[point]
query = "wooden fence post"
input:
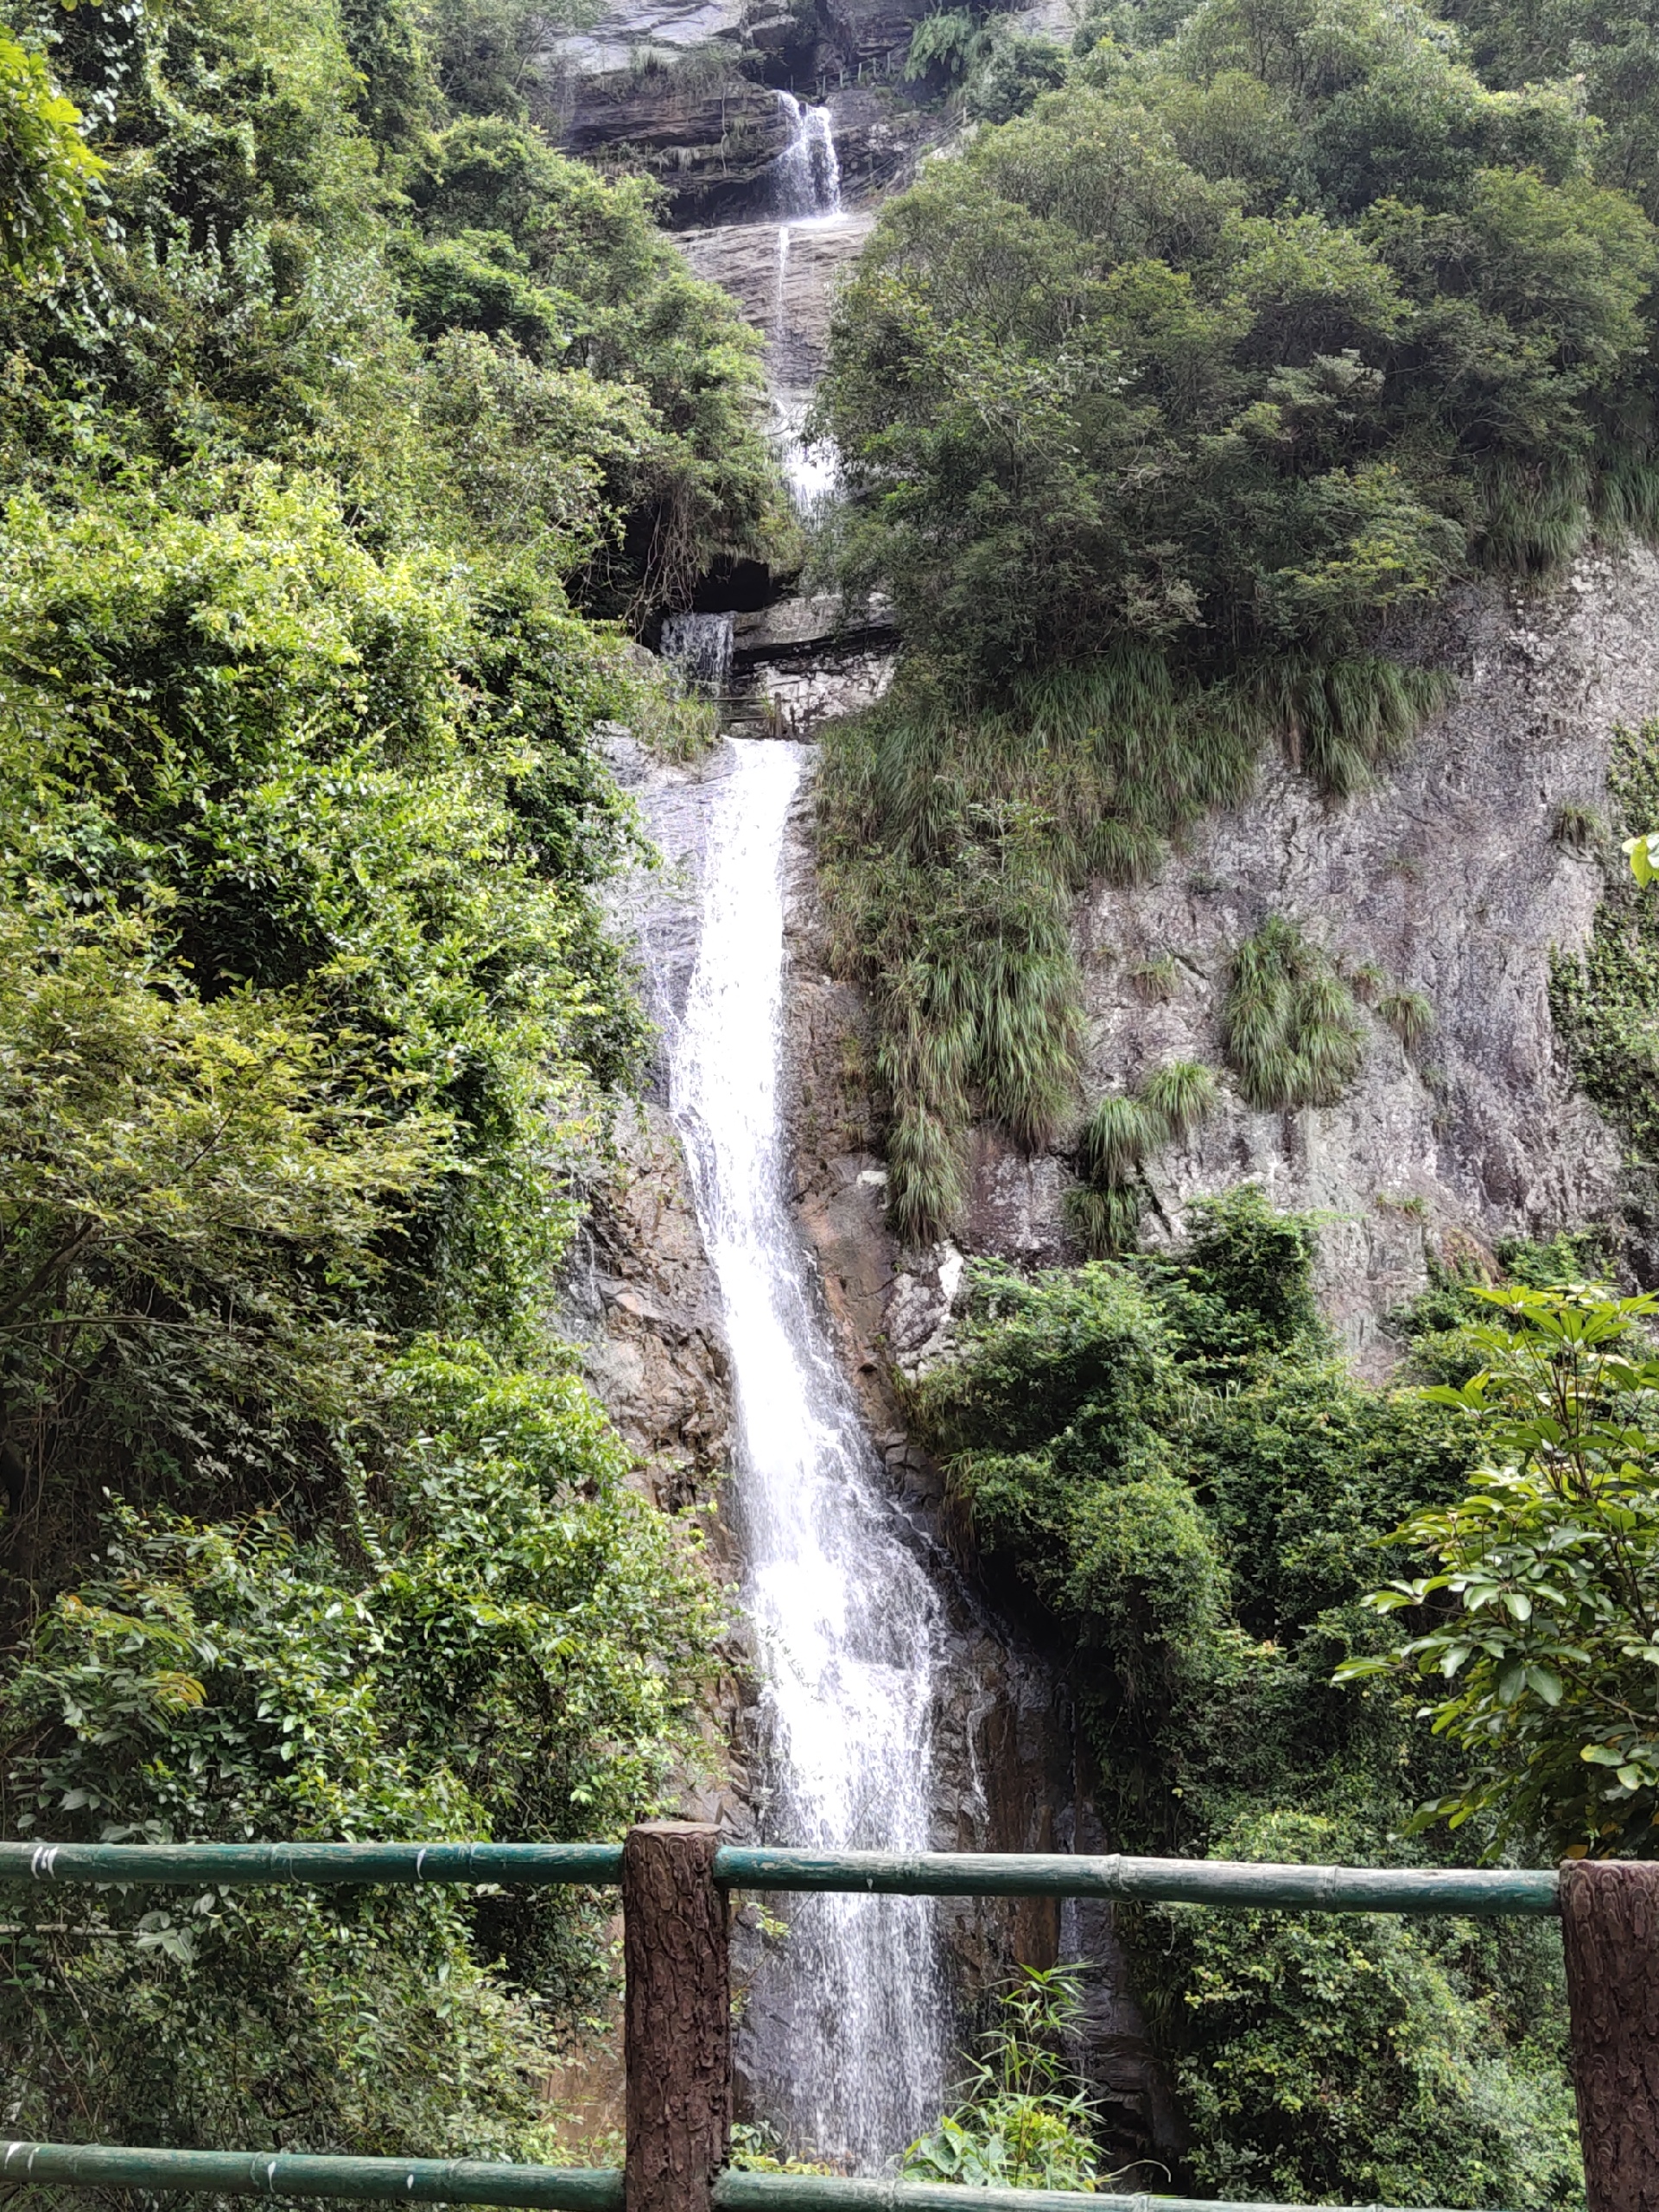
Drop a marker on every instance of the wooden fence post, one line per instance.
(1610, 1931)
(677, 2017)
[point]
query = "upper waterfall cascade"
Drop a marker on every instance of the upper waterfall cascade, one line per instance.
(807, 191)
(845, 2033)
(807, 173)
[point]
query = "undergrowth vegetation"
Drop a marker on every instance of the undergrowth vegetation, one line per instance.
(1167, 408)
(1025, 2119)
(1168, 1473)
(333, 404)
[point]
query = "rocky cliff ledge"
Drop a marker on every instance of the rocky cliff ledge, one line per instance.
(689, 90)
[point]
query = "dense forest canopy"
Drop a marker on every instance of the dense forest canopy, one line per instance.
(1168, 408)
(337, 411)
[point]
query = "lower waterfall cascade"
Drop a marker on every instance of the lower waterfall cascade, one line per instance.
(847, 2030)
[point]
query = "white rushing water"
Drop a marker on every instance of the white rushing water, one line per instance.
(700, 646)
(806, 176)
(846, 2034)
(806, 192)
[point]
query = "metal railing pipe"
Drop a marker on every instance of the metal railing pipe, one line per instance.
(1237, 1883)
(268, 2173)
(221, 1865)
(542, 2188)
(755, 2192)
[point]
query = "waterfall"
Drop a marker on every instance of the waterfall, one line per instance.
(806, 191)
(806, 176)
(845, 2038)
(700, 646)
(809, 470)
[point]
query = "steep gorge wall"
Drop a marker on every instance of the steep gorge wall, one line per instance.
(1448, 878)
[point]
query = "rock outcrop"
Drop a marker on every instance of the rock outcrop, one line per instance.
(689, 92)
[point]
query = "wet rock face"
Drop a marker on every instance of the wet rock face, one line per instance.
(784, 279)
(1448, 880)
(656, 1354)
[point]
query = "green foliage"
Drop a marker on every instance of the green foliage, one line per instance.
(943, 44)
(1293, 270)
(1026, 2120)
(312, 447)
(1170, 1477)
(1554, 1559)
(1166, 409)
(1607, 51)
(502, 1647)
(628, 362)
(283, 190)
(1105, 1207)
(45, 167)
(1605, 1001)
(1331, 2055)
(1016, 69)
(1288, 1022)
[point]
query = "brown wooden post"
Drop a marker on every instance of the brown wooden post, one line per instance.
(677, 2017)
(1610, 1931)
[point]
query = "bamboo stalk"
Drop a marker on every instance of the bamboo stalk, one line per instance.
(743, 2192)
(222, 1865)
(244, 2173)
(542, 2188)
(1224, 1883)
(1243, 1885)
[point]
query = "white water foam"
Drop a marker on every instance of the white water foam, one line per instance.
(846, 2035)
(806, 176)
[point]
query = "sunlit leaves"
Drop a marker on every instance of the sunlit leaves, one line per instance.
(1543, 1607)
(46, 167)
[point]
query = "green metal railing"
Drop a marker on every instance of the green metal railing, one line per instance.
(1222, 1884)
(551, 2188)
(1241, 1883)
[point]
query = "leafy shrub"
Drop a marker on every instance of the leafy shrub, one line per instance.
(45, 167)
(1171, 1479)
(1554, 1559)
(1328, 2055)
(1026, 2120)
(510, 1651)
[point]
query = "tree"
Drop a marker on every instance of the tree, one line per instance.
(1550, 1650)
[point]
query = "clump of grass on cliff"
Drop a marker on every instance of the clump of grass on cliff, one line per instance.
(1104, 1208)
(1289, 1023)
